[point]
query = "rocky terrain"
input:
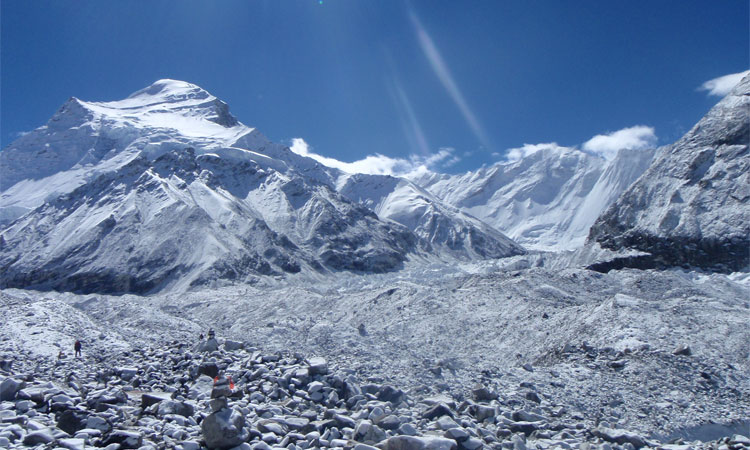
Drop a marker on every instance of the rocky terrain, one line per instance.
(574, 357)
(169, 397)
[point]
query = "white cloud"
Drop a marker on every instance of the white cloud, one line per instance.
(634, 138)
(514, 154)
(721, 86)
(380, 164)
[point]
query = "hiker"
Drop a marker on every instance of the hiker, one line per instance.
(77, 347)
(200, 338)
(211, 333)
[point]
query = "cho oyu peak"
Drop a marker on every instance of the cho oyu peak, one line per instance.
(166, 189)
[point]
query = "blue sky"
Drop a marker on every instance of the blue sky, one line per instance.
(455, 84)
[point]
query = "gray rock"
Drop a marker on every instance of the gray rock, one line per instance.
(318, 366)
(72, 444)
(190, 445)
(437, 410)
(231, 346)
(364, 447)
(367, 432)
(70, 421)
(224, 429)
(126, 439)
(209, 369)
(619, 436)
(482, 412)
(390, 394)
(407, 429)
(271, 426)
(418, 443)
(152, 398)
(446, 423)
(524, 427)
(43, 436)
(482, 394)
(343, 421)
(388, 422)
(526, 416)
(127, 373)
(682, 349)
(457, 434)
(8, 389)
(207, 346)
(174, 407)
(471, 444)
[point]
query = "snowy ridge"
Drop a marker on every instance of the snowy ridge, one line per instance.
(441, 225)
(692, 206)
(547, 200)
(167, 189)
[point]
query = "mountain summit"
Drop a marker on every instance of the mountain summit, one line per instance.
(167, 189)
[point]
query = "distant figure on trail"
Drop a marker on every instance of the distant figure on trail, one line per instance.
(200, 338)
(77, 347)
(211, 333)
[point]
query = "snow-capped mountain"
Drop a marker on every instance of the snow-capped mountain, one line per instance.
(444, 227)
(692, 205)
(167, 188)
(546, 200)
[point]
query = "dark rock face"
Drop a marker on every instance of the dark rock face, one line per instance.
(692, 206)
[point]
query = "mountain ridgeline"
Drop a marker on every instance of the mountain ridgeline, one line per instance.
(167, 190)
(691, 208)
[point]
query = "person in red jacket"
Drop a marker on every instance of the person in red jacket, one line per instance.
(77, 347)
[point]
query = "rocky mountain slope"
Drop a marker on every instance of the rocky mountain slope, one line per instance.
(167, 189)
(692, 206)
(546, 200)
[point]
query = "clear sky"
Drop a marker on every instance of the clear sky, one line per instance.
(396, 78)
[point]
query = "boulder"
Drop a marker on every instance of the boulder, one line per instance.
(682, 349)
(72, 420)
(437, 410)
(620, 436)
(388, 422)
(43, 436)
(524, 427)
(72, 444)
(126, 439)
(127, 373)
(231, 346)
(482, 394)
(209, 369)
(418, 443)
(367, 432)
(152, 398)
(318, 366)
(390, 394)
(207, 346)
(224, 429)
(8, 389)
(174, 407)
